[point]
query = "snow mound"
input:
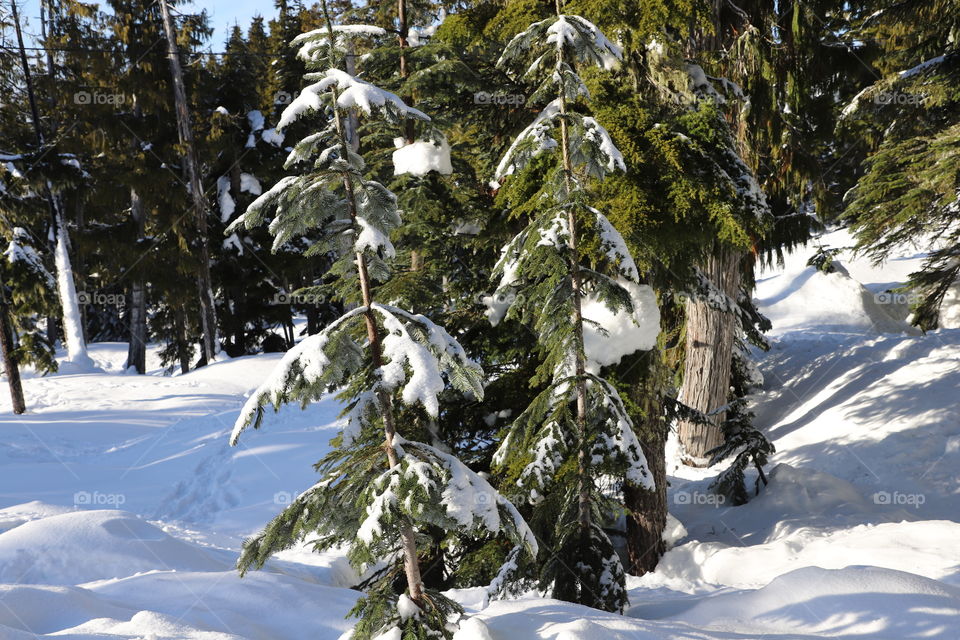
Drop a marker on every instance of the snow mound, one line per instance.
(246, 606)
(46, 609)
(35, 510)
(83, 546)
(866, 601)
(146, 624)
(542, 619)
(927, 548)
(799, 299)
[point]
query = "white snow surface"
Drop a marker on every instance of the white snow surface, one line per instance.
(122, 505)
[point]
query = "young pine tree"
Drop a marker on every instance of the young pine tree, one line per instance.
(378, 490)
(576, 435)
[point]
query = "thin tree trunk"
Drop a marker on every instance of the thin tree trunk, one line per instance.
(708, 358)
(208, 311)
(9, 359)
(583, 482)
(411, 563)
(183, 352)
(137, 349)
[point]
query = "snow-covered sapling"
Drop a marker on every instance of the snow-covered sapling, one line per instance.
(576, 433)
(377, 489)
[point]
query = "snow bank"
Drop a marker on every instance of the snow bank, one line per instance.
(82, 546)
(856, 601)
(835, 300)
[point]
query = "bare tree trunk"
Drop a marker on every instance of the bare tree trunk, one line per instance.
(9, 359)
(183, 351)
(208, 311)
(709, 356)
(137, 349)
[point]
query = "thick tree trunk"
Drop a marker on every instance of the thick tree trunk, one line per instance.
(9, 360)
(647, 516)
(208, 312)
(647, 510)
(137, 348)
(709, 355)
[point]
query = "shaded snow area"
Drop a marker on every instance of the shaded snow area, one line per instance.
(122, 506)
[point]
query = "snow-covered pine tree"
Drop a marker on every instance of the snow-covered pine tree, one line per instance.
(27, 293)
(377, 489)
(576, 434)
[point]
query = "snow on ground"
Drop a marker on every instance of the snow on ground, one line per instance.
(122, 507)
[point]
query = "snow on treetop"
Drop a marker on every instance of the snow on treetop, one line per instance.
(572, 33)
(353, 93)
(314, 44)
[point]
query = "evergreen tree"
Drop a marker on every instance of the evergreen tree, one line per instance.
(27, 293)
(576, 431)
(911, 119)
(378, 488)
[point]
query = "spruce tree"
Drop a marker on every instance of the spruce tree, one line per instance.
(378, 489)
(576, 432)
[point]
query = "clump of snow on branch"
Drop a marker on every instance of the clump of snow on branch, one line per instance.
(373, 239)
(598, 135)
(537, 134)
(421, 157)
(620, 332)
(466, 498)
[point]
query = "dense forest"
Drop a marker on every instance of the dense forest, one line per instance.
(519, 238)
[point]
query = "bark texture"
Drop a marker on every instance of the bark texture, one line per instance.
(709, 355)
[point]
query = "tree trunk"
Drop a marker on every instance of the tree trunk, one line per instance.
(73, 332)
(411, 562)
(9, 359)
(647, 510)
(183, 351)
(208, 311)
(709, 355)
(137, 349)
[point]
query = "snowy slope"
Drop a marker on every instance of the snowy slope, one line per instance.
(122, 507)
